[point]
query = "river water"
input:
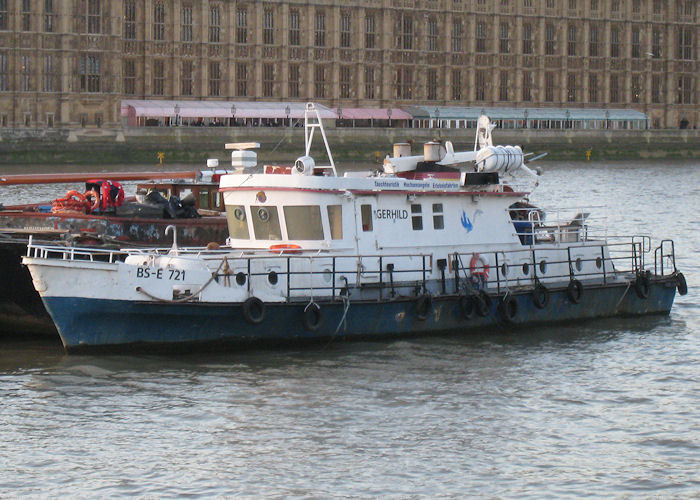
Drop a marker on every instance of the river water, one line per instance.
(607, 408)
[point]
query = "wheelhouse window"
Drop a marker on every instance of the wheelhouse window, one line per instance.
(366, 212)
(438, 220)
(417, 217)
(237, 222)
(266, 223)
(303, 222)
(335, 221)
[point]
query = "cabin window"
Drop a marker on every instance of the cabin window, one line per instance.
(266, 223)
(303, 222)
(438, 221)
(417, 217)
(184, 192)
(366, 211)
(335, 221)
(237, 223)
(204, 198)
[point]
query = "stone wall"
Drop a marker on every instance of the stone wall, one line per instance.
(114, 146)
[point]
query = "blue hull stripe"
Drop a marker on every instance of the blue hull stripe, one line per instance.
(85, 322)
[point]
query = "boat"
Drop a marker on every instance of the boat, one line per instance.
(443, 241)
(98, 214)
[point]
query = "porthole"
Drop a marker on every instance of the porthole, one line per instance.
(327, 275)
(526, 269)
(240, 278)
(579, 264)
(598, 262)
(263, 214)
(239, 214)
(543, 266)
(504, 269)
(272, 277)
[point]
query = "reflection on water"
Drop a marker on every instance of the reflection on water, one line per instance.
(606, 408)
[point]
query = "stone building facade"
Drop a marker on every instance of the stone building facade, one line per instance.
(69, 63)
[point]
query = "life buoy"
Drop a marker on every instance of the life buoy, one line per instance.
(479, 267)
(285, 248)
(574, 291)
(423, 306)
(467, 306)
(312, 317)
(681, 284)
(253, 310)
(540, 296)
(95, 203)
(509, 308)
(642, 286)
(483, 304)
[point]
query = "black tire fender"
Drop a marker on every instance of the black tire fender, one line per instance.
(509, 308)
(540, 296)
(467, 306)
(681, 284)
(642, 286)
(574, 291)
(312, 317)
(253, 310)
(483, 304)
(423, 306)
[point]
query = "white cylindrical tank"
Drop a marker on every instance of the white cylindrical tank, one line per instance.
(402, 149)
(499, 158)
(431, 151)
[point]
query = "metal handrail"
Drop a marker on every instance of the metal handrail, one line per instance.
(385, 271)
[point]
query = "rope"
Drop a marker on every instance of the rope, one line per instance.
(188, 297)
(629, 284)
(346, 307)
(273, 149)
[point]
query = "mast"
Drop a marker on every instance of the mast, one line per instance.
(312, 121)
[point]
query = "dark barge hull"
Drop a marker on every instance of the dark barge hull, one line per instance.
(22, 312)
(97, 324)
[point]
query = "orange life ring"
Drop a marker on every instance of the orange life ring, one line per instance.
(478, 266)
(75, 194)
(95, 204)
(285, 248)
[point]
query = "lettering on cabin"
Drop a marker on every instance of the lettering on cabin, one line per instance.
(407, 184)
(390, 214)
(387, 184)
